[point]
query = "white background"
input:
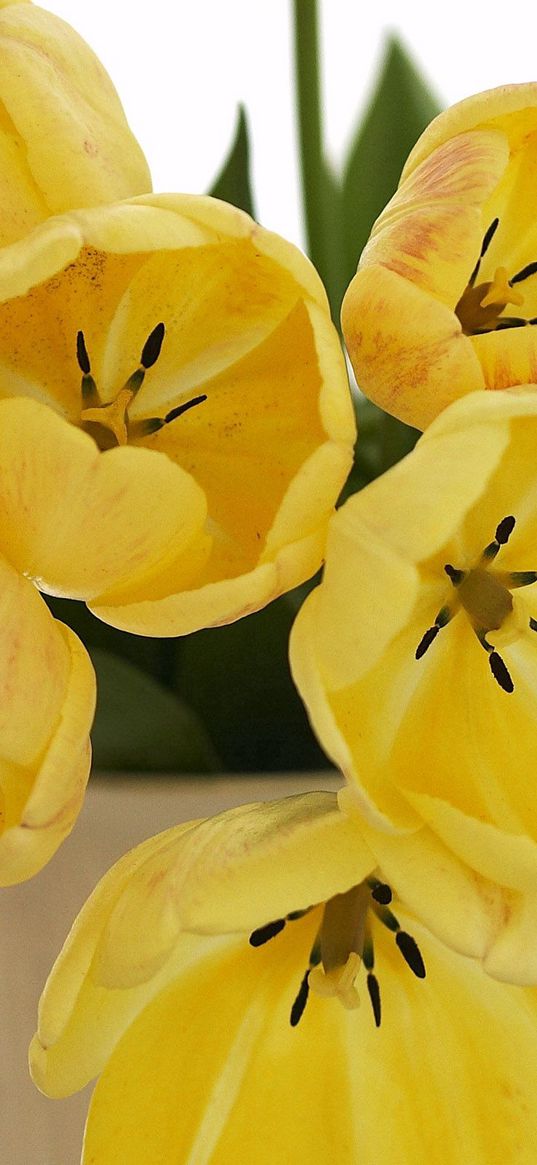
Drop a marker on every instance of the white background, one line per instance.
(181, 67)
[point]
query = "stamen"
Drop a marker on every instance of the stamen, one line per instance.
(264, 933)
(153, 424)
(297, 1010)
(82, 354)
(152, 346)
(525, 273)
(500, 672)
(504, 529)
(507, 322)
(406, 944)
(443, 617)
(380, 891)
(374, 995)
(456, 576)
(180, 409)
(487, 239)
(88, 386)
(425, 642)
(150, 354)
(497, 666)
(411, 953)
(522, 578)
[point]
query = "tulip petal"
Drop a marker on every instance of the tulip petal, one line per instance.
(512, 109)
(48, 700)
(213, 1071)
(64, 140)
(431, 231)
(234, 872)
(412, 371)
(80, 522)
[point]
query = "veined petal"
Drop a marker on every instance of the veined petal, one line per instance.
(48, 700)
(431, 230)
(64, 140)
(461, 229)
(211, 1069)
(80, 522)
(512, 109)
(429, 360)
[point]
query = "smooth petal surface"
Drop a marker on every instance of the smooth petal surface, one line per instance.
(64, 140)
(431, 737)
(79, 522)
(247, 395)
(460, 228)
(48, 700)
(232, 873)
(211, 1070)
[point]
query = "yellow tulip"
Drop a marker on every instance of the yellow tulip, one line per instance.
(47, 701)
(211, 1048)
(417, 661)
(187, 424)
(445, 298)
(64, 140)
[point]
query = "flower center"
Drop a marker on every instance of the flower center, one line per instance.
(486, 598)
(481, 304)
(109, 424)
(343, 942)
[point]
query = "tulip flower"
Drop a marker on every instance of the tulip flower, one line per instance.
(213, 1047)
(48, 697)
(177, 423)
(445, 298)
(64, 140)
(417, 660)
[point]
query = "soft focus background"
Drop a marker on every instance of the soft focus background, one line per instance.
(223, 700)
(181, 68)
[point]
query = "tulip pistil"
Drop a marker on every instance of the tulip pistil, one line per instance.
(109, 424)
(343, 942)
(486, 598)
(481, 305)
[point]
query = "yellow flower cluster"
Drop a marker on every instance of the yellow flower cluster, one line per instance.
(176, 423)
(175, 429)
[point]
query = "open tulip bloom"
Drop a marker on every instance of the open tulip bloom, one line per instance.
(417, 660)
(187, 418)
(251, 1045)
(445, 298)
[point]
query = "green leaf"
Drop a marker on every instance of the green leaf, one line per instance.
(237, 677)
(321, 189)
(401, 107)
(233, 182)
(141, 726)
